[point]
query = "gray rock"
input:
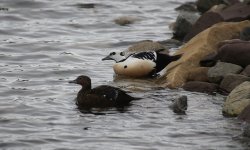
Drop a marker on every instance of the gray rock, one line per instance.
(188, 6)
(231, 81)
(183, 24)
(205, 5)
(237, 100)
(221, 69)
(203, 87)
(180, 105)
(246, 71)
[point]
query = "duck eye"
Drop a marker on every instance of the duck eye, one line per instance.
(122, 53)
(113, 53)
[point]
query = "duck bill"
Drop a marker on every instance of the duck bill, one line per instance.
(73, 81)
(107, 58)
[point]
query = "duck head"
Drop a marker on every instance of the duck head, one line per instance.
(116, 56)
(82, 80)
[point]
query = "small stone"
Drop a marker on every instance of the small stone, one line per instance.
(125, 20)
(221, 69)
(180, 105)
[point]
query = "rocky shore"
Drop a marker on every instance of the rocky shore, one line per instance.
(215, 39)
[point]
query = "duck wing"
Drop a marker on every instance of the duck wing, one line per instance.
(114, 94)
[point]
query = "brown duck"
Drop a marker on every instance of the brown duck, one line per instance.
(101, 96)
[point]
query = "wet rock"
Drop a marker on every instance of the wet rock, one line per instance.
(180, 105)
(205, 5)
(246, 71)
(246, 130)
(245, 34)
(237, 100)
(247, 2)
(237, 12)
(125, 20)
(183, 24)
(147, 46)
(203, 87)
(197, 48)
(231, 81)
(188, 6)
(220, 70)
(205, 21)
(245, 114)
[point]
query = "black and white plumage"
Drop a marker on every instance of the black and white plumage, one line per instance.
(140, 64)
(101, 96)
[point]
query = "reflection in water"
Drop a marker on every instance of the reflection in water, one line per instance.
(46, 43)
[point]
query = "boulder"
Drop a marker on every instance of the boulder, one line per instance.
(215, 74)
(237, 100)
(235, 52)
(231, 81)
(246, 71)
(188, 6)
(237, 12)
(183, 24)
(206, 42)
(205, 21)
(203, 87)
(205, 5)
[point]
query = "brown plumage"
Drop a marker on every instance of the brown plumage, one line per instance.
(101, 96)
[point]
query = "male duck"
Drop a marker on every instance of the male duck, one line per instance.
(140, 64)
(101, 96)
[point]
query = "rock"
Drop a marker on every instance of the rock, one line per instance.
(183, 24)
(232, 51)
(205, 21)
(203, 87)
(180, 105)
(205, 5)
(177, 72)
(246, 71)
(125, 20)
(245, 114)
(245, 34)
(188, 6)
(237, 12)
(215, 74)
(146, 46)
(231, 81)
(237, 100)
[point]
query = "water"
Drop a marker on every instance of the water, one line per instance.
(45, 43)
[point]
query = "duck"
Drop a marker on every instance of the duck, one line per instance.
(101, 96)
(140, 64)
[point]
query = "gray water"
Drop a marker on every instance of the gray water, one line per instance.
(46, 43)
